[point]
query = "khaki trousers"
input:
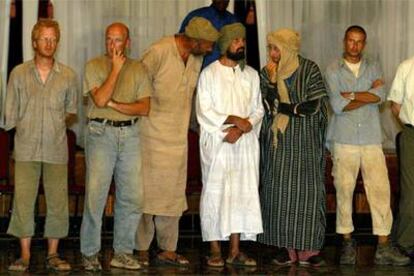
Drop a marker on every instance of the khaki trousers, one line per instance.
(55, 185)
(165, 228)
(347, 160)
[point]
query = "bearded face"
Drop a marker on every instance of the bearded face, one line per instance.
(236, 50)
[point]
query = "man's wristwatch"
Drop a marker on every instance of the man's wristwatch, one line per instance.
(352, 96)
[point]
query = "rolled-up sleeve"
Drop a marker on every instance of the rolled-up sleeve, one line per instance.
(90, 80)
(335, 98)
(379, 91)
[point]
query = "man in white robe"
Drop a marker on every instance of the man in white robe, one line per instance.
(230, 111)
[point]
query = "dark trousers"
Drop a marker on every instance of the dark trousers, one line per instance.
(405, 218)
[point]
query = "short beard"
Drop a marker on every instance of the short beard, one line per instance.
(237, 56)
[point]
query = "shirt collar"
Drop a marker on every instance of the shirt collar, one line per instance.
(343, 64)
(56, 66)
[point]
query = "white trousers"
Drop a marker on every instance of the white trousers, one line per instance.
(347, 160)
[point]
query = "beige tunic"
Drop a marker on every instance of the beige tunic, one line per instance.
(164, 131)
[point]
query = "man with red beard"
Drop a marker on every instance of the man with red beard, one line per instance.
(41, 95)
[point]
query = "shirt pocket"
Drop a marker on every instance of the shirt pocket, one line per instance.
(96, 129)
(24, 98)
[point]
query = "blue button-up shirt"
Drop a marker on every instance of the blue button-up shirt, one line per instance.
(217, 19)
(360, 126)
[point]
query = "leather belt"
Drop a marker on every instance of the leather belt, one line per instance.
(115, 123)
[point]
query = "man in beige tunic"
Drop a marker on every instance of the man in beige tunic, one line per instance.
(173, 64)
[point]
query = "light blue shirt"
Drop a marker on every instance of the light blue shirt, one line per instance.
(360, 126)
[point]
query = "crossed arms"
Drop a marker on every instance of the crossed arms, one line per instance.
(361, 98)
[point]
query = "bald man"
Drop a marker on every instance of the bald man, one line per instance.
(119, 92)
(173, 64)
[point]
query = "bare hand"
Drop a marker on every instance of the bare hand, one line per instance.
(377, 83)
(271, 68)
(233, 134)
(244, 125)
(346, 95)
(118, 59)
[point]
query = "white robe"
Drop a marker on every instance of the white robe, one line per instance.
(230, 197)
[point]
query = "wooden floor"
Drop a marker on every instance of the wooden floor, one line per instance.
(190, 244)
(195, 250)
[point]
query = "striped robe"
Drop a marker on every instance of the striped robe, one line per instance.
(292, 191)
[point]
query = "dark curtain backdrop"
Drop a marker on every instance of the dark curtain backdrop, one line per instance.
(241, 10)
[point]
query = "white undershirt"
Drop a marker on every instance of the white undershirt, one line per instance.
(354, 67)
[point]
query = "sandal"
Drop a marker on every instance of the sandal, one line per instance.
(55, 263)
(215, 260)
(178, 260)
(19, 265)
(241, 260)
(315, 261)
(143, 258)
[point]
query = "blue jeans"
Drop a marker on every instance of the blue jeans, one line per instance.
(112, 151)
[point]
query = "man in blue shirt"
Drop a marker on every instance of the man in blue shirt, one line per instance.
(354, 135)
(218, 15)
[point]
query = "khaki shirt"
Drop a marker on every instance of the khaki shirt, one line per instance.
(38, 111)
(164, 131)
(132, 84)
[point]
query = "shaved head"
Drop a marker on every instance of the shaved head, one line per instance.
(116, 38)
(119, 26)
